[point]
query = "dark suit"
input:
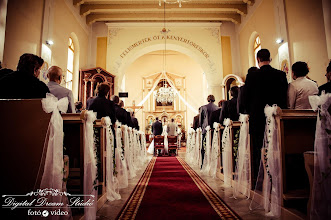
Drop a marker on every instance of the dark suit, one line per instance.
(241, 98)
(22, 85)
(129, 120)
(215, 116)
(266, 86)
(121, 115)
(229, 110)
(103, 107)
(135, 123)
(157, 128)
(325, 87)
(196, 122)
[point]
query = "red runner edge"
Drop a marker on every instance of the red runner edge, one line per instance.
(171, 189)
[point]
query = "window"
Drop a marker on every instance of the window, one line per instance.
(70, 65)
(257, 47)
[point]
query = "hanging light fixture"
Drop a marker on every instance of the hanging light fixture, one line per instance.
(165, 93)
(173, 2)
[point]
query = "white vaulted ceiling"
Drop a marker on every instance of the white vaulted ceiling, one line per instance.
(150, 11)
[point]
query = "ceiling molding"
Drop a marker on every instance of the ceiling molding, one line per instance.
(150, 11)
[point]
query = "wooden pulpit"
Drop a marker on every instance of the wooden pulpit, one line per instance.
(88, 81)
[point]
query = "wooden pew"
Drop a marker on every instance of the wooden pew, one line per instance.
(24, 126)
(297, 135)
(73, 126)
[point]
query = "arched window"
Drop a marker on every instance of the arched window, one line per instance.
(257, 47)
(70, 64)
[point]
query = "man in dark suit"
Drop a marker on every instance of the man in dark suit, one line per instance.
(204, 118)
(327, 86)
(101, 105)
(266, 86)
(121, 114)
(128, 115)
(157, 127)
(24, 83)
(215, 115)
(230, 107)
(134, 121)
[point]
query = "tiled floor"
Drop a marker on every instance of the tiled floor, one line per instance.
(240, 205)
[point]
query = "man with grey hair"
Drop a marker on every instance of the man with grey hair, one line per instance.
(55, 76)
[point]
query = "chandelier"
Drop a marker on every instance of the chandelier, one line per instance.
(173, 2)
(165, 93)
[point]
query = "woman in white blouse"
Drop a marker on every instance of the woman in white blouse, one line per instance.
(301, 88)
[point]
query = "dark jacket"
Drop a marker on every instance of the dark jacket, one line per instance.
(22, 85)
(229, 110)
(205, 115)
(135, 123)
(157, 128)
(325, 87)
(215, 116)
(103, 107)
(266, 86)
(121, 115)
(241, 97)
(196, 122)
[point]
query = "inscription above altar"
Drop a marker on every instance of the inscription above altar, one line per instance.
(161, 37)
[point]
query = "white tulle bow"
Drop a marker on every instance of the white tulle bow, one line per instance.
(52, 104)
(243, 118)
(217, 126)
(227, 122)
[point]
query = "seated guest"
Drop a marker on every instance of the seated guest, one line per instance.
(301, 88)
(134, 120)
(55, 76)
(172, 128)
(121, 114)
(101, 105)
(215, 115)
(230, 108)
(327, 86)
(79, 106)
(24, 83)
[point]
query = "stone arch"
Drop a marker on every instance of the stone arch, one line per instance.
(227, 81)
(123, 64)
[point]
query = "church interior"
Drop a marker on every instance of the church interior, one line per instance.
(162, 59)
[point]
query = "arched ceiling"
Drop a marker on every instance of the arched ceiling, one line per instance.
(150, 11)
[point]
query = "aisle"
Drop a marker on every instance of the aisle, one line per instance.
(170, 189)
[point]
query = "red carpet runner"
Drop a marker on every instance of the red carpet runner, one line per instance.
(170, 189)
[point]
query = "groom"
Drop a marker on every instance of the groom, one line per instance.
(157, 127)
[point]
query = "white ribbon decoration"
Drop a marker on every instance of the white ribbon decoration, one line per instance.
(207, 156)
(243, 167)
(321, 193)
(121, 168)
(127, 151)
(111, 180)
(227, 153)
(272, 190)
(90, 166)
(216, 150)
(53, 170)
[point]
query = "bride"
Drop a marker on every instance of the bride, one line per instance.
(151, 146)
